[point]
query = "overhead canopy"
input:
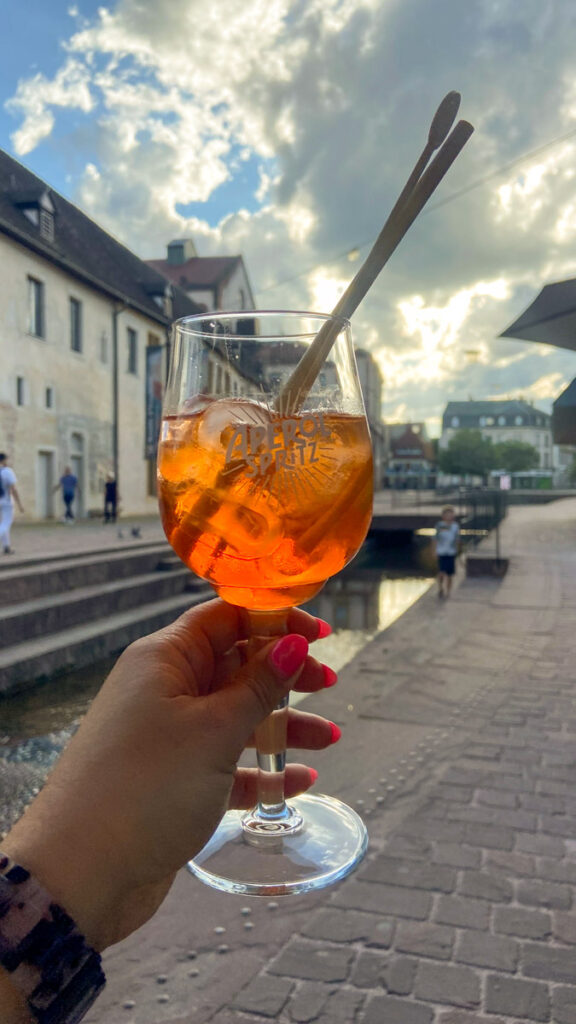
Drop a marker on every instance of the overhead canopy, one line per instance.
(550, 319)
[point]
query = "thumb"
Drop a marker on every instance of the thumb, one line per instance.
(259, 686)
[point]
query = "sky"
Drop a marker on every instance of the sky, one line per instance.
(284, 130)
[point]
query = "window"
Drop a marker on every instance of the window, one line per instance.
(75, 325)
(455, 422)
(35, 307)
(47, 225)
(489, 421)
(482, 421)
(49, 398)
(20, 390)
(103, 347)
(519, 420)
(502, 421)
(132, 350)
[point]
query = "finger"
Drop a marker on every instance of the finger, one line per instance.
(314, 676)
(308, 732)
(256, 689)
(244, 793)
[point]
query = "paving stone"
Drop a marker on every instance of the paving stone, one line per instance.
(545, 787)
(480, 949)
(489, 836)
(484, 752)
(440, 983)
(312, 962)
(526, 924)
(564, 926)
(463, 912)
(542, 846)
(486, 886)
(412, 874)
(452, 832)
(367, 970)
(264, 995)
(497, 798)
(398, 975)
(410, 847)
(350, 926)
(564, 1005)
(342, 1006)
(461, 1017)
(544, 894)
(558, 825)
(520, 819)
(543, 804)
(547, 963)
(308, 1002)
(448, 791)
(510, 863)
(456, 855)
(384, 1009)
(425, 939)
(557, 870)
(384, 899)
(527, 1000)
(476, 815)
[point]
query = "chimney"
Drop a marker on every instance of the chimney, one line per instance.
(180, 251)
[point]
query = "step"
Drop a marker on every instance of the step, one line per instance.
(22, 665)
(55, 612)
(54, 576)
(23, 561)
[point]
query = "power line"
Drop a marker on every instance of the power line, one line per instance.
(429, 209)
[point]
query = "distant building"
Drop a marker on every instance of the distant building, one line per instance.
(213, 282)
(83, 321)
(514, 420)
(411, 462)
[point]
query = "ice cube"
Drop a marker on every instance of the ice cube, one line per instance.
(225, 416)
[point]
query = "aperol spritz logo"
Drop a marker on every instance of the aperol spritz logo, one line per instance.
(277, 444)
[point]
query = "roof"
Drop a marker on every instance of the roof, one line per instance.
(197, 272)
(81, 247)
(567, 398)
(550, 319)
(496, 407)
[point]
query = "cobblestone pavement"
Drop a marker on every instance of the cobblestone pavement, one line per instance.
(459, 746)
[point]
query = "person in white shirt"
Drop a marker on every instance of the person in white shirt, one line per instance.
(8, 494)
(447, 541)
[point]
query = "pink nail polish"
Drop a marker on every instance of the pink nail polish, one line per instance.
(336, 732)
(330, 676)
(313, 775)
(289, 654)
(324, 629)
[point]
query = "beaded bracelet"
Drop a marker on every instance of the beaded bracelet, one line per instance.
(45, 954)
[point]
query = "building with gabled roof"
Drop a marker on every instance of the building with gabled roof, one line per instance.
(83, 320)
(215, 282)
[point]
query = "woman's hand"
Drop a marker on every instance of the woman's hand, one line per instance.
(153, 767)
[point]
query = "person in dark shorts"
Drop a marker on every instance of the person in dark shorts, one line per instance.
(447, 542)
(110, 499)
(69, 485)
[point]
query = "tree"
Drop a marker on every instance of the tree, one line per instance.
(516, 456)
(467, 454)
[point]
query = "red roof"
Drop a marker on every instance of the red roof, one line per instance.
(197, 272)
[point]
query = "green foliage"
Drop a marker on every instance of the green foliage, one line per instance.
(468, 454)
(516, 456)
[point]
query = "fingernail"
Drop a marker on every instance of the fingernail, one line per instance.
(336, 732)
(289, 654)
(313, 775)
(330, 676)
(324, 629)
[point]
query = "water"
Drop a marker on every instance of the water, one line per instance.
(361, 601)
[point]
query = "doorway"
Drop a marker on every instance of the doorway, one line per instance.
(77, 466)
(44, 485)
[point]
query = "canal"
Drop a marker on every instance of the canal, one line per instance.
(365, 598)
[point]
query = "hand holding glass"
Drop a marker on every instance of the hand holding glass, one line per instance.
(267, 501)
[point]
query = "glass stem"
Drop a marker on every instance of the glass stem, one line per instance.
(272, 815)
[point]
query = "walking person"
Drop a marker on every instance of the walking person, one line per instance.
(69, 484)
(8, 494)
(110, 499)
(447, 543)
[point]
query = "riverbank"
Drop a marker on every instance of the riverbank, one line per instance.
(459, 747)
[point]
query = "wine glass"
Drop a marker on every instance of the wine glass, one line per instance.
(266, 491)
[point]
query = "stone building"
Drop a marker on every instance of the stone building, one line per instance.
(411, 462)
(514, 420)
(81, 318)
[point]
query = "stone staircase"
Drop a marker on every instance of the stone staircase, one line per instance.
(59, 613)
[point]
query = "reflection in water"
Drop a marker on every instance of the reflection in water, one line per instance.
(361, 601)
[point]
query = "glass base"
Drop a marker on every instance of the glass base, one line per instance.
(328, 846)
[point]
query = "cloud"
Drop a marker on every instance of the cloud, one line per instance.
(331, 100)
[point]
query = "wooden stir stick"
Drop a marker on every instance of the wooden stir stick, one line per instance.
(415, 194)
